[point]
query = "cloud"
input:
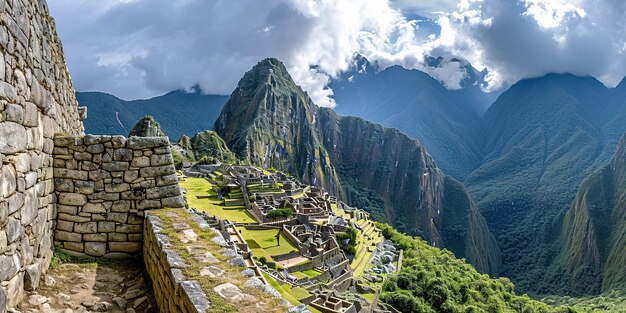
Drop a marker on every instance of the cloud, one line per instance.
(529, 38)
(142, 48)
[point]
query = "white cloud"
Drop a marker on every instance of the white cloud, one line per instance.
(141, 48)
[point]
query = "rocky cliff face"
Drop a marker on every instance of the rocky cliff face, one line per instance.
(147, 127)
(270, 121)
(593, 234)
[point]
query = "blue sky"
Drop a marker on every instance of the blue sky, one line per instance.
(142, 48)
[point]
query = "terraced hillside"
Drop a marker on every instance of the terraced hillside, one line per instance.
(269, 121)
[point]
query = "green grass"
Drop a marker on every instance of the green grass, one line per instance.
(266, 239)
(292, 295)
(212, 206)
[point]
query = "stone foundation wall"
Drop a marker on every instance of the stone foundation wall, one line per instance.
(172, 291)
(37, 100)
(103, 185)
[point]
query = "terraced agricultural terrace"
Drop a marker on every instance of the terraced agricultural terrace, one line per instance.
(313, 250)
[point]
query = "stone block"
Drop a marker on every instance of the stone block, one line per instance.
(121, 206)
(140, 162)
(122, 154)
(14, 113)
(128, 229)
(94, 208)
(9, 266)
(163, 192)
(173, 202)
(138, 143)
(69, 210)
(66, 141)
(106, 227)
(148, 204)
(4, 243)
(131, 176)
(167, 180)
(95, 248)
(157, 171)
(112, 188)
(15, 202)
(84, 187)
(126, 247)
(15, 289)
(67, 236)
(82, 156)
(63, 185)
(74, 246)
(161, 159)
(73, 174)
(13, 138)
(13, 230)
(118, 237)
(86, 228)
(135, 237)
(32, 275)
(76, 199)
(95, 149)
(116, 166)
(72, 218)
(117, 217)
(97, 175)
(95, 238)
(8, 177)
(65, 225)
(31, 115)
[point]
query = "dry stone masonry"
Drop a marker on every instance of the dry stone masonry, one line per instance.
(36, 101)
(104, 184)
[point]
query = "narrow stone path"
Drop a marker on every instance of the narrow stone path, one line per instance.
(118, 287)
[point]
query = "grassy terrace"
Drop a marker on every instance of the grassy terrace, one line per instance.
(263, 242)
(212, 206)
(232, 273)
(292, 295)
(368, 237)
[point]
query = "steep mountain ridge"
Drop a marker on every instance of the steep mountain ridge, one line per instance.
(444, 121)
(593, 234)
(270, 121)
(544, 136)
(179, 112)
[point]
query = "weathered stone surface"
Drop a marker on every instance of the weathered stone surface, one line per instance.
(94, 208)
(147, 142)
(8, 177)
(95, 248)
(13, 139)
(72, 198)
(84, 187)
(196, 295)
(211, 271)
(32, 274)
(9, 266)
(106, 227)
(86, 228)
(127, 247)
(67, 236)
(230, 292)
(163, 192)
(173, 202)
(157, 171)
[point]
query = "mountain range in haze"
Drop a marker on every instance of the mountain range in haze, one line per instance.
(522, 160)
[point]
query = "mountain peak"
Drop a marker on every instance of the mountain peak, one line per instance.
(146, 127)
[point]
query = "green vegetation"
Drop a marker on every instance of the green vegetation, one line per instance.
(347, 241)
(201, 187)
(283, 213)
(433, 280)
(263, 243)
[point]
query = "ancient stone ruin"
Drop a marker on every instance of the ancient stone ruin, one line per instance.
(85, 194)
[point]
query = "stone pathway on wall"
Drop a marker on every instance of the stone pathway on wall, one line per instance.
(91, 287)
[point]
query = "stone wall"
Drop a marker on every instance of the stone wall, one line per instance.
(37, 100)
(103, 185)
(172, 291)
